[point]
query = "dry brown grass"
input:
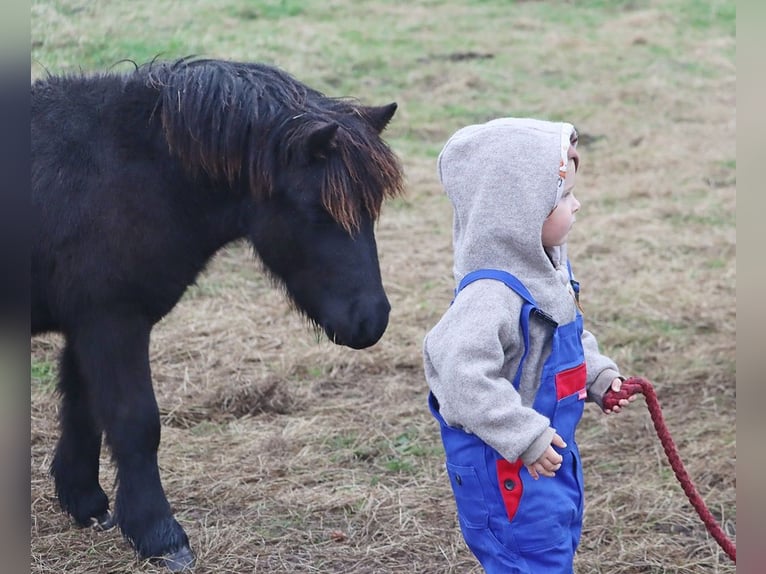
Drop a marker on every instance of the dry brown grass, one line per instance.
(283, 453)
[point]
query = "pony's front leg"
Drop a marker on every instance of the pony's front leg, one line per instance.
(114, 355)
(76, 462)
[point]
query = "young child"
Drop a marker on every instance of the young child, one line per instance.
(509, 364)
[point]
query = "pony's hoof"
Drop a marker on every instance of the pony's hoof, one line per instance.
(182, 559)
(103, 522)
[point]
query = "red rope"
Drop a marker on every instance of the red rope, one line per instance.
(635, 385)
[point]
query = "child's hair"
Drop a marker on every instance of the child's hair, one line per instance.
(573, 149)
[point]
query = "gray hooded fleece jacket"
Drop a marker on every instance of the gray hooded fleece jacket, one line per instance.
(502, 179)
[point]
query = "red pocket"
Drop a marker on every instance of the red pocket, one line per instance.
(570, 382)
(510, 485)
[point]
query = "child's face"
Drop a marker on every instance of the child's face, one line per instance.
(557, 225)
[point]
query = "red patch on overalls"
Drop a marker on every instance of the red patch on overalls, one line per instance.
(570, 382)
(510, 484)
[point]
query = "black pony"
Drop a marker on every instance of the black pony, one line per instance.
(137, 180)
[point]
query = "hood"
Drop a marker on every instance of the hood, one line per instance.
(503, 178)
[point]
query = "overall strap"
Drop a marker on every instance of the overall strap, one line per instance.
(513, 283)
(575, 284)
(498, 275)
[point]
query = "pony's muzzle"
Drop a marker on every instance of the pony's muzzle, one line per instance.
(363, 324)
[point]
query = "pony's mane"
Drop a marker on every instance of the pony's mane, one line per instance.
(240, 122)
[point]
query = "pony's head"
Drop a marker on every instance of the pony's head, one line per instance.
(314, 169)
(315, 230)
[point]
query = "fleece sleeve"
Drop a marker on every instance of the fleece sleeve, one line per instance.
(468, 357)
(601, 370)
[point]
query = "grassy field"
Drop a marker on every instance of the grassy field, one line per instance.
(284, 453)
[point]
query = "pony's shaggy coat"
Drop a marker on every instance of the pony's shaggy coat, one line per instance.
(137, 181)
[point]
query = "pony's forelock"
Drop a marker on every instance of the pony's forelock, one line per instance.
(363, 175)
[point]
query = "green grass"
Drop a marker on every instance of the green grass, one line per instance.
(390, 51)
(706, 15)
(270, 10)
(402, 453)
(407, 450)
(207, 428)
(44, 374)
(713, 218)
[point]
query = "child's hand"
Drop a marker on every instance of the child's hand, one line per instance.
(549, 462)
(616, 386)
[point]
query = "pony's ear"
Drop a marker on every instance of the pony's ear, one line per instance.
(319, 138)
(379, 116)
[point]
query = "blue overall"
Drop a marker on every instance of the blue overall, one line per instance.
(512, 523)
